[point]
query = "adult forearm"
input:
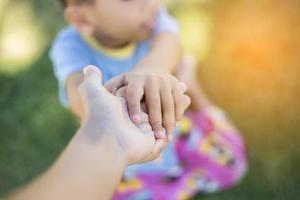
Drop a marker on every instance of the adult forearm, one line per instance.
(85, 170)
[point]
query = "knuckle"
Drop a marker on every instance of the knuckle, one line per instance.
(133, 107)
(154, 114)
(163, 80)
(150, 78)
(173, 81)
(168, 108)
(181, 99)
(153, 102)
(175, 90)
(131, 96)
(169, 124)
(156, 125)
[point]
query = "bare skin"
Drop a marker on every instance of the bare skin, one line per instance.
(104, 21)
(186, 73)
(92, 164)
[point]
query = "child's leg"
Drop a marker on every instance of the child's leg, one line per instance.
(208, 144)
(163, 179)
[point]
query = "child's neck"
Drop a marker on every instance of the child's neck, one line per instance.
(115, 50)
(109, 42)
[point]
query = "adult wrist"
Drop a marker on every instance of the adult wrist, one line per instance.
(99, 138)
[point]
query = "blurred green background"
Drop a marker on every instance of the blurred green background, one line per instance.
(249, 54)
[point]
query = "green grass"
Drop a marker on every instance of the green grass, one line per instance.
(34, 129)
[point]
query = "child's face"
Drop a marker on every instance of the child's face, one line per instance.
(117, 22)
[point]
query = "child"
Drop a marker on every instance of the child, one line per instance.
(135, 44)
(116, 36)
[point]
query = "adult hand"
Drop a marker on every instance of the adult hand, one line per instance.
(107, 116)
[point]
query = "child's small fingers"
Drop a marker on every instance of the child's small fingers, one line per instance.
(115, 83)
(144, 107)
(144, 118)
(160, 134)
(121, 92)
(186, 102)
(182, 106)
(177, 96)
(168, 110)
(152, 98)
(182, 87)
(135, 93)
(181, 100)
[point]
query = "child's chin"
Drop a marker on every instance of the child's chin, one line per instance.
(143, 35)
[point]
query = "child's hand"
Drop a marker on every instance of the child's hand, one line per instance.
(163, 94)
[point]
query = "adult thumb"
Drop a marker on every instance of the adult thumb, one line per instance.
(91, 86)
(92, 74)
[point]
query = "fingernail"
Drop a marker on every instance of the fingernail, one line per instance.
(136, 118)
(160, 134)
(85, 70)
(91, 69)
